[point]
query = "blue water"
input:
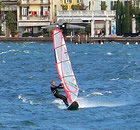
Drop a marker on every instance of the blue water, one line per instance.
(108, 77)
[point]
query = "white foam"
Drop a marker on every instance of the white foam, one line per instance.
(26, 100)
(4, 52)
(3, 61)
(115, 79)
(59, 103)
(86, 103)
(108, 92)
(83, 91)
(95, 93)
(85, 53)
(109, 53)
(26, 51)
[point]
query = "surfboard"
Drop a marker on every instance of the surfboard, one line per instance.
(64, 68)
(74, 106)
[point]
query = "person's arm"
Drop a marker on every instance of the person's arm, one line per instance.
(60, 86)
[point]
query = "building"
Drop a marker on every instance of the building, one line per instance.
(100, 21)
(55, 5)
(32, 15)
(8, 5)
(97, 4)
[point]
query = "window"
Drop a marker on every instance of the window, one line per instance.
(24, 11)
(55, 10)
(44, 1)
(113, 3)
(103, 5)
(25, 1)
(79, 1)
(67, 1)
(125, 3)
(45, 11)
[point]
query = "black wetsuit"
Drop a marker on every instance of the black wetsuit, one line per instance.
(57, 95)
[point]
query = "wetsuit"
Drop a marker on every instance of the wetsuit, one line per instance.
(57, 95)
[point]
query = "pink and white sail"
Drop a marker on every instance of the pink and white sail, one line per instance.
(64, 67)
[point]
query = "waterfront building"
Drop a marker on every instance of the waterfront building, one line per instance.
(9, 5)
(32, 15)
(99, 15)
(100, 21)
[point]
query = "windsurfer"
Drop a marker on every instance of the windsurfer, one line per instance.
(56, 93)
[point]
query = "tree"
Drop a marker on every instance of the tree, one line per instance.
(11, 22)
(118, 18)
(127, 18)
(64, 7)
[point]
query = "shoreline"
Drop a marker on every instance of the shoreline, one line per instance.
(93, 40)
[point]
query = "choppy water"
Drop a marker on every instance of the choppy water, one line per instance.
(108, 76)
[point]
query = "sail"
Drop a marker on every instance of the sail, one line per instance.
(64, 67)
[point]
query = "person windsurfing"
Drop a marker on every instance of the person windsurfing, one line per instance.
(55, 92)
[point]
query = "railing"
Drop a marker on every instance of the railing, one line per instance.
(36, 2)
(83, 13)
(37, 18)
(44, 1)
(24, 1)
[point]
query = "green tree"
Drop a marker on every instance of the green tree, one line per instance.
(11, 22)
(118, 18)
(64, 7)
(127, 19)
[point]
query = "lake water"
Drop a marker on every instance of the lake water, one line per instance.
(108, 77)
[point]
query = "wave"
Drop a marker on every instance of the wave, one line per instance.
(94, 93)
(86, 103)
(60, 104)
(26, 51)
(4, 52)
(115, 79)
(26, 100)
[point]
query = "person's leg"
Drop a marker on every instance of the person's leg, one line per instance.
(63, 98)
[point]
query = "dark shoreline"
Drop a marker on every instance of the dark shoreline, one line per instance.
(131, 40)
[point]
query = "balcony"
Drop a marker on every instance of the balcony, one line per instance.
(37, 2)
(86, 14)
(26, 21)
(34, 18)
(44, 1)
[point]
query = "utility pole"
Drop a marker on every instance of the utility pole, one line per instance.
(92, 19)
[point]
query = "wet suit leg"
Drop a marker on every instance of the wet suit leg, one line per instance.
(63, 98)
